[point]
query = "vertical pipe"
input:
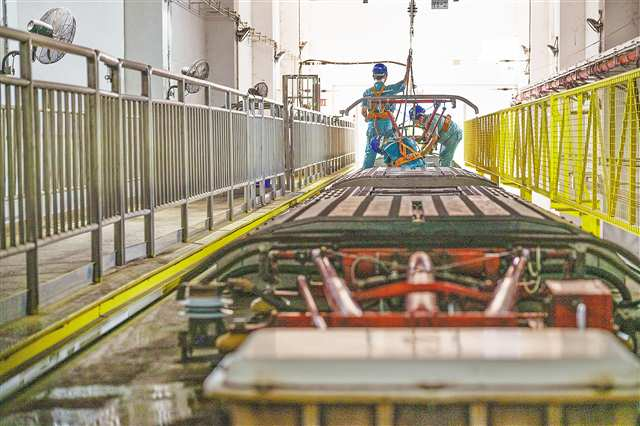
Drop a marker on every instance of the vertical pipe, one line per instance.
(68, 167)
(336, 292)
(130, 139)
(119, 230)
(60, 163)
(248, 177)
(149, 164)
(11, 179)
(31, 174)
(135, 108)
(37, 144)
(507, 290)
(186, 165)
(210, 165)
(75, 143)
(231, 158)
(20, 166)
(82, 158)
(261, 158)
(3, 173)
(95, 142)
(316, 318)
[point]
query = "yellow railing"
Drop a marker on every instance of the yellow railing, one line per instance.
(578, 147)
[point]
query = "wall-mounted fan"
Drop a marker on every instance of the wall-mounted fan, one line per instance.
(199, 69)
(261, 89)
(57, 23)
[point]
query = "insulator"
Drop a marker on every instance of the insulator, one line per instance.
(412, 9)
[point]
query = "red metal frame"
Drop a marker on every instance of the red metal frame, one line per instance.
(404, 288)
(401, 319)
(420, 285)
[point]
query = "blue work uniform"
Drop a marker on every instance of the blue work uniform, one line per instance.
(448, 140)
(379, 127)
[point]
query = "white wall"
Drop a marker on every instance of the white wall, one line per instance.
(621, 22)
(188, 44)
(577, 41)
(138, 46)
(265, 18)
(100, 25)
(245, 56)
(543, 33)
(591, 38)
(288, 21)
(221, 48)
(572, 33)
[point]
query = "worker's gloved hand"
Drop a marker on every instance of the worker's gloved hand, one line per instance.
(374, 143)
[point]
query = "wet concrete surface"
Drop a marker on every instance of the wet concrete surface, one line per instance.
(133, 376)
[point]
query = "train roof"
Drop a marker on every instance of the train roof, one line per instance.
(429, 177)
(453, 212)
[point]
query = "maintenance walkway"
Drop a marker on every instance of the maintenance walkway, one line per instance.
(108, 197)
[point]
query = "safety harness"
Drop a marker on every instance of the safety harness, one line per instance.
(372, 114)
(406, 157)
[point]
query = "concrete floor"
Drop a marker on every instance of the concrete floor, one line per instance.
(131, 377)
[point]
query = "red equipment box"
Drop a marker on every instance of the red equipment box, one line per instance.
(567, 295)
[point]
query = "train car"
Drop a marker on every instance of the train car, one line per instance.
(425, 297)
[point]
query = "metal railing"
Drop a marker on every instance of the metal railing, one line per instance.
(578, 147)
(76, 158)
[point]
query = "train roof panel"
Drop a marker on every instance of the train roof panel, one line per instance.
(443, 202)
(429, 177)
(388, 361)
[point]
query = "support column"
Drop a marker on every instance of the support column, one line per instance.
(32, 191)
(526, 194)
(590, 224)
(208, 98)
(184, 210)
(119, 234)
(94, 116)
(149, 164)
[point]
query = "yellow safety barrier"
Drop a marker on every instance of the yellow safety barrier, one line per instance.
(578, 147)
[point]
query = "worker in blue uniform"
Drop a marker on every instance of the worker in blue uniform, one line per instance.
(379, 116)
(448, 134)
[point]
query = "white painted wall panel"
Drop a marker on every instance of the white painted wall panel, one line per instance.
(621, 22)
(188, 43)
(572, 33)
(100, 25)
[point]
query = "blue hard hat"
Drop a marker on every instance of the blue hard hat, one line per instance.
(379, 70)
(416, 111)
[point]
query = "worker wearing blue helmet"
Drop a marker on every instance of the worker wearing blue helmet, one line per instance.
(448, 134)
(380, 116)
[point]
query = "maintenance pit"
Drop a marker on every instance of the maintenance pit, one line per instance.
(134, 376)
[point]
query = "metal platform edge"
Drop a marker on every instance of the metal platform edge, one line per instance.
(23, 363)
